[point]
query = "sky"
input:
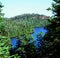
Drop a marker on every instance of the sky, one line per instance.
(17, 7)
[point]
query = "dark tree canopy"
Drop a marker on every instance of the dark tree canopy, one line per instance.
(53, 36)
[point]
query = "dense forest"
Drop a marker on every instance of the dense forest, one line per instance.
(23, 25)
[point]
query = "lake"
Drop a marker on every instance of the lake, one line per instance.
(36, 36)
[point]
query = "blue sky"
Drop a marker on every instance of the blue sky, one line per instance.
(16, 7)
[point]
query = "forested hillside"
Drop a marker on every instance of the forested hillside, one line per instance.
(25, 23)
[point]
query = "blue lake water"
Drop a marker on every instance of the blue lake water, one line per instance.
(14, 42)
(37, 31)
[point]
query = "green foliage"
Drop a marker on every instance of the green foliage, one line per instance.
(16, 27)
(4, 47)
(54, 32)
(4, 41)
(48, 8)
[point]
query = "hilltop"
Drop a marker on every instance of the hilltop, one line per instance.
(33, 16)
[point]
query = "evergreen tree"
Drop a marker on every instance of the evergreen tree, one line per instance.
(1, 14)
(52, 38)
(4, 41)
(1, 17)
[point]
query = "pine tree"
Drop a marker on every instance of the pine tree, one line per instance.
(53, 36)
(1, 17)
(4, 41)
(1, 14)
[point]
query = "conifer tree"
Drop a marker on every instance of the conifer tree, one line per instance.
(4, 41)
(53, 36)
(1, 14)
